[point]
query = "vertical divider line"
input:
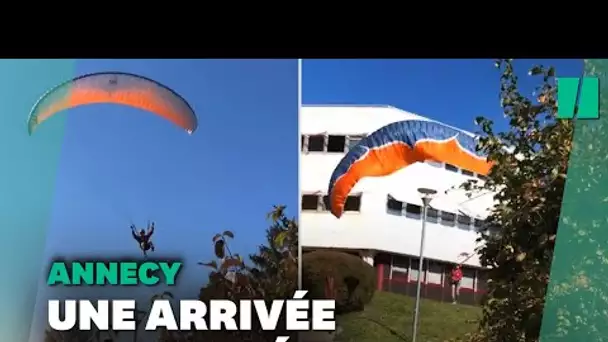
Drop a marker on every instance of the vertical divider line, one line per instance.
(299, 336)
(299, 178)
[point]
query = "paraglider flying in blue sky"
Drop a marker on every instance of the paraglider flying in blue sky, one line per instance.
(115, 88)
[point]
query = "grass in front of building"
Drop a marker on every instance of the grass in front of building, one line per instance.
(388, 318)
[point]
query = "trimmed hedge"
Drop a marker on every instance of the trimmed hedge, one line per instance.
(354, 280)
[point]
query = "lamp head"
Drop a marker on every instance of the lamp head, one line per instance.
(427, 195)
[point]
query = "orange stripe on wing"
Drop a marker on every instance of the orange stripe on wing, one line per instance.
(450, 152)
(142, 99)
(377, 162)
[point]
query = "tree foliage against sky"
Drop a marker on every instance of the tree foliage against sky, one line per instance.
(531, 161)
(272, 273)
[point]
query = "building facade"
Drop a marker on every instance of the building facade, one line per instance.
(382, 221)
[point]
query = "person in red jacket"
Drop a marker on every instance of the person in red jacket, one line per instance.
(456, 277)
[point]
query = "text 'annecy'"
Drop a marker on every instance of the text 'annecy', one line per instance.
(126, 273)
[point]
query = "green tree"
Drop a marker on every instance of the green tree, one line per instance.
(530, 164)
(275, 265)
(274, 274)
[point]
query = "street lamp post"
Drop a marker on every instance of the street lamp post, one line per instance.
(426, 195)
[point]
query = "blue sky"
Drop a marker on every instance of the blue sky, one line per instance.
(121, 165)
(450, 91)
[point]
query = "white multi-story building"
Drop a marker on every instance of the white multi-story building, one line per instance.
(382, 220)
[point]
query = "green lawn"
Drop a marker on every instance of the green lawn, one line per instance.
(388, 318)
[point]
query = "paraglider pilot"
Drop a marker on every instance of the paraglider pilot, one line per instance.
(143, 238)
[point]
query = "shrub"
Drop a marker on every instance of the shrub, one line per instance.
(354, 281)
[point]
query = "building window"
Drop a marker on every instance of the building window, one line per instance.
(447, 217)
(399, 268)
(336, 143)
(329, 143)
(413, 209)
(316, 143)
(310, 202)
(464, 220)
(478, 223)
(468, 173)
(401, 262)
(414, 270)
(482, 177)
(394, 205)
(353, 203)
(353, 141)
(326, 203)
(434, 163)
(435, 273)
(432, 213)
(468, 278)
(451, 167)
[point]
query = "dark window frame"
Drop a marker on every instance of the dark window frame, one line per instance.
(302, 203)
(450, 167)
(390, 200)
(357, 199)
(435, 213)
(464, 220)
(330, 143)
(353, 138)
(448, 217)
(315, 143)
(417, 209)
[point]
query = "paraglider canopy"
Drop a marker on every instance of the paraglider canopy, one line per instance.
(398, 145)
(115, 88)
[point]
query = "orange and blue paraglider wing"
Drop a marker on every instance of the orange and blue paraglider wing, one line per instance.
(398, 145)
(117, 88)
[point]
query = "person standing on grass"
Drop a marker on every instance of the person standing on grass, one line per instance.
(456, 277)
